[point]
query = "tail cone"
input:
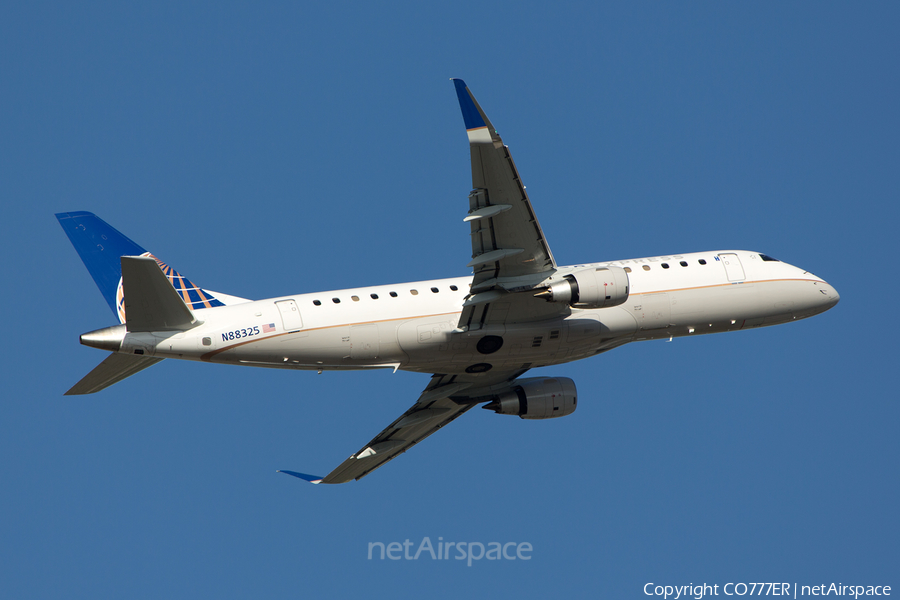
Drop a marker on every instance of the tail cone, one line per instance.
(108, 338)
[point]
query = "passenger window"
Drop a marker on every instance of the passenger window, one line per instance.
(414, 292)
(373, 296)
(646, 267)
(683, 263)
(628, 269)
(454, 288)
(435, 290)
(702, 261)
(336, 300)
(665, 265)
(317, 303)
(354, 298)
(393, 294)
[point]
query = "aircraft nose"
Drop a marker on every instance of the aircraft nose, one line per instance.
(812, 298)
(828, 296)
(835, 297)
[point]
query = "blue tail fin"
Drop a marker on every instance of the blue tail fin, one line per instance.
(100, 247)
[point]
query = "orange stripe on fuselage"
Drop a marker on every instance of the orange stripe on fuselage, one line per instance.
(208, 356)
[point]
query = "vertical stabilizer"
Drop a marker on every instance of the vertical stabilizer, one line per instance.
(101, 247)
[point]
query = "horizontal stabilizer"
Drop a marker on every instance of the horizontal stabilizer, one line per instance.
(114, 369)
(151, 303)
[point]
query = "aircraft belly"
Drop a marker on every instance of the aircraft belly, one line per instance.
(716, 304)
(728, 308)
(759, 303)
(434, 346)
(651, 311)
(785, 301)
(364, 342)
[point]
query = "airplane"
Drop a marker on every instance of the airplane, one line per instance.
(475, 335)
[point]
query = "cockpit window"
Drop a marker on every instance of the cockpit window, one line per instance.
(768, 258)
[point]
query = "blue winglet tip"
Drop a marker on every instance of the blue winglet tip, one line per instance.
(310, 478)
(471, 115)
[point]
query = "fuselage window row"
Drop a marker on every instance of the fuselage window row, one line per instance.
(392, 294)
(683, 263)
(454, 288)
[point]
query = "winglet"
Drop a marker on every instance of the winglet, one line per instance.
(478, 126)
(303, 476)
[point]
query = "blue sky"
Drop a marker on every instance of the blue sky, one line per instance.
(299, 147)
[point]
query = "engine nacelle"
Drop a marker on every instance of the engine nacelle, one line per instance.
(537, 398)
(590, 288)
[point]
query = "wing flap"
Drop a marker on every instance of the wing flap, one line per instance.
(496, 182)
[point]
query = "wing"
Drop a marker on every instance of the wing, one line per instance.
(445, 398)
(510, 255)
(510, 258)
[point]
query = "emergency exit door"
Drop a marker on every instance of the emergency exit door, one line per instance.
(290, 315)
(733, 268)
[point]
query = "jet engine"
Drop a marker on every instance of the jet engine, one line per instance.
(537, 398)
(590, 288)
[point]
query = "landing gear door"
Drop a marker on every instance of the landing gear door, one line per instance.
(290, 315)
(733, 268)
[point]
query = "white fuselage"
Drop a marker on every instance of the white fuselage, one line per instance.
(409, 326)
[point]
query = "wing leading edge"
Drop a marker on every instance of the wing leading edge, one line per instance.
(510, 255)
(507, 240)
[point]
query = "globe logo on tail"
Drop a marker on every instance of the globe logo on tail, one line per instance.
(193, 296)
